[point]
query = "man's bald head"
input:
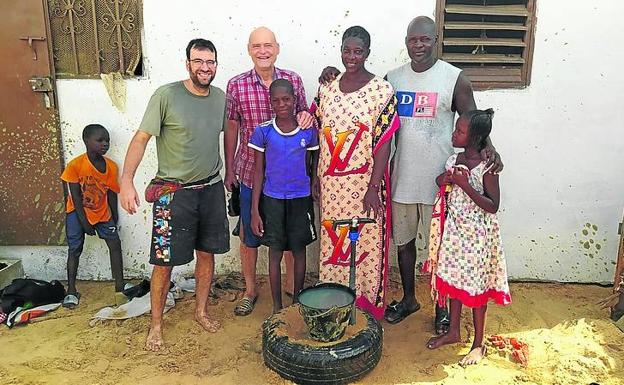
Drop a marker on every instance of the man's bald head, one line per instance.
(420, 42)
(262, 34)
(421, 24)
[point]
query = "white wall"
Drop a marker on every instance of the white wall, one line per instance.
(559, 137)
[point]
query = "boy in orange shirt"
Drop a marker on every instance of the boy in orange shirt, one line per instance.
(92, 207)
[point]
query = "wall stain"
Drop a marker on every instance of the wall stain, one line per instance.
(589, 245)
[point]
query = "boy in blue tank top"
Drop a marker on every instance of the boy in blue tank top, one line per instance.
(281, 208)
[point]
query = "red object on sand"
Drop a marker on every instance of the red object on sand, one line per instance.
(519, 349)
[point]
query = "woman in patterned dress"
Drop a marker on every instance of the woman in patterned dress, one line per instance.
(357, 117)
(470, 267)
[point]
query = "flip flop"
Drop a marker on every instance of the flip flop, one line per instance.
(71, 300)
(245, 306)
(397, 312)
(442, 322)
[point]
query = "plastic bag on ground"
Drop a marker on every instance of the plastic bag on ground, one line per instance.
(136, 307)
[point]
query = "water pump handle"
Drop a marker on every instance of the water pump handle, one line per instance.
(353, 223)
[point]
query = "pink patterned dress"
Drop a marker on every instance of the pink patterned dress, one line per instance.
(471, 263)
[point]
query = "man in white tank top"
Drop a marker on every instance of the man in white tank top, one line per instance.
(429, 92)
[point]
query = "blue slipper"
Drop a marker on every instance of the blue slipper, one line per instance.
(71, 300)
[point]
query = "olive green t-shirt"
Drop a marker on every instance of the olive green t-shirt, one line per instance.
(187, 128)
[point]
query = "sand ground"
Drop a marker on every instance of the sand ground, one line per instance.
(571, 342)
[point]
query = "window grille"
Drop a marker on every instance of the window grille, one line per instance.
(92, 37)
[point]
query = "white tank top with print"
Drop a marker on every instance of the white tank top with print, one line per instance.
(423, 142)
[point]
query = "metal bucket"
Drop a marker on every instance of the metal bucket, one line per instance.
(325, 308)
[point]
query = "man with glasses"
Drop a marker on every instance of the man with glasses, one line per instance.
(186, 117)
(247, 107)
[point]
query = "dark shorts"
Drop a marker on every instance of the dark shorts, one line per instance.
(76, 234)
(249, 238)
(288, 223)
(188, 220)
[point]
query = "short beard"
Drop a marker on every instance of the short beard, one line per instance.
(197, 84)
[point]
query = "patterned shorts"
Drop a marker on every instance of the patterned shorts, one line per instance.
(188, 220)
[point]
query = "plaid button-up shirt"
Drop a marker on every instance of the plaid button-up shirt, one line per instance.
(248, 103)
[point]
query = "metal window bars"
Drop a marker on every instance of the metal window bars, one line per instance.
(90, 37)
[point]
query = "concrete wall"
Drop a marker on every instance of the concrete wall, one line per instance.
(560, 138)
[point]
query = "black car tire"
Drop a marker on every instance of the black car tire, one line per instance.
(328, 364)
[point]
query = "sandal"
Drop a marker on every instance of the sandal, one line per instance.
(442, 322)
(245, 306)
(397, 312)
(71, 300)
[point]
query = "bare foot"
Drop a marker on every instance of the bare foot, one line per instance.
(209, 325)
(475, 355)
(444, 339)
(154, 340)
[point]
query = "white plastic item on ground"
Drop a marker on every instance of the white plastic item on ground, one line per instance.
(186, 284)
(138, 306)
(177, 292)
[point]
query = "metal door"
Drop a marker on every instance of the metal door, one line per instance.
(31, 194)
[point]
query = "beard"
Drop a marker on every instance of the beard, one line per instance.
(198, 83)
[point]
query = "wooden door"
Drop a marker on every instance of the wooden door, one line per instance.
(31, 193)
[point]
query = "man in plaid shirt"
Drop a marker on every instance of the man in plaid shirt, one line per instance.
(247, 106)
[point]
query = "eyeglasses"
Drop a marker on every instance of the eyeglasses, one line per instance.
(200, 62)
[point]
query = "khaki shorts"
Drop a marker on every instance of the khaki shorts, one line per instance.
(408, 220)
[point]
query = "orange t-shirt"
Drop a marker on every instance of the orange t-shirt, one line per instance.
(93, 185)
